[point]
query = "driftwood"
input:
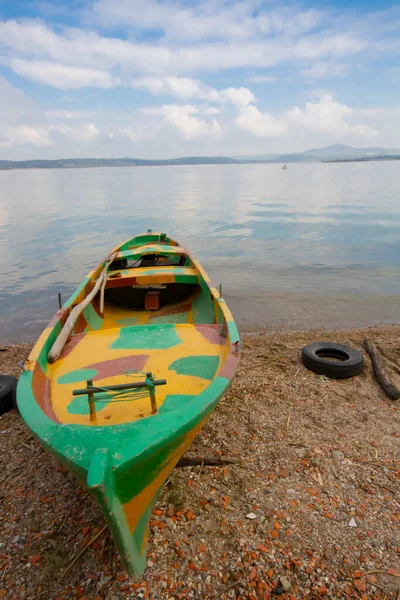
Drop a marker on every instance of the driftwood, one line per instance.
(388, 387)
(188, 461)
(64, 334)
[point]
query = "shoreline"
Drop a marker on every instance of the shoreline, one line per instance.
(313, 503)
(268, 332)
(263, 312)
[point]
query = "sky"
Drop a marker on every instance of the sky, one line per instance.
(170, 78)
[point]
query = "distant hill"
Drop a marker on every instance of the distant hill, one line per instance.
(336, 153)
(69, 163)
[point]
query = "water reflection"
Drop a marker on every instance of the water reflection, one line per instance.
(312, 229)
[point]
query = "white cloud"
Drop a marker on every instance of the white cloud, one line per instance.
(237, 96)
(46, 135)
(62, 76)
(180, 118)
(83, 133)
(329, 116)
(213, 110)
(86, 49)
(316, 46)
(364, 131)
(24, 135)
(260, 124)
(206, 20)
(184, 88)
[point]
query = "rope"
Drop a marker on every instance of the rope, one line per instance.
(122, 395)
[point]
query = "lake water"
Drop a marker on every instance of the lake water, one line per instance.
(313, 246)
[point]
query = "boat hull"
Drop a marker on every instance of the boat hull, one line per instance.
(125, 455)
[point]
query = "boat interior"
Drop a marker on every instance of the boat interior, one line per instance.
(160, 317)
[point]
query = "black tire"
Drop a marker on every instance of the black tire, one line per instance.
(350, 361)
(8, 386)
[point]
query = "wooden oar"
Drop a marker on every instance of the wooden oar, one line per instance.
(61, 340)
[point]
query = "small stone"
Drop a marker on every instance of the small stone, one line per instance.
(251, 516)
(339, 456)
(322, 590)
(352, 523)
(278, 590)
(286, 583)
(291, 493)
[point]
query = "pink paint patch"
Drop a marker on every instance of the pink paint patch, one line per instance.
(61, 315)
(212, 333)
(41, 392)
(118, 366)
(72, 344)
(121, 282)
(230, 365)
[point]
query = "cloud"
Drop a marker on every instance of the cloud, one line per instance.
(206, 20)
(213, 110)
(68, 46)
(260, 124)
(84, 133)
(237, 96)
(178, 87)
(340, 44)
(181, 119)
(24, 135)
(61, 76)
(45, 135)
(329, 116)
(184, 88)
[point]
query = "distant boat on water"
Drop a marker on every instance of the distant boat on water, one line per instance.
(284, 167)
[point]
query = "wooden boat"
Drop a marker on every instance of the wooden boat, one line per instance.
(126, 374)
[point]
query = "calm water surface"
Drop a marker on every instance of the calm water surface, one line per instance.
(316, 245)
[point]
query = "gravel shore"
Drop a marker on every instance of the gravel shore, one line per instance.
(311, 511)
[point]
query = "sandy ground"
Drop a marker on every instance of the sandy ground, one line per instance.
(312, 508)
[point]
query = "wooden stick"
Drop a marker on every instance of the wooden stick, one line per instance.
(188, 461)
(61, 340)
(384, 487)
(388, 387)
(373, 571)
(71, 564)
(92, 407)
(102, 289)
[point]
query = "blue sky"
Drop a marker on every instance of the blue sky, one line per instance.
(165, 78)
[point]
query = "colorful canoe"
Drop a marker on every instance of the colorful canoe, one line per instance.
(143, 366)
